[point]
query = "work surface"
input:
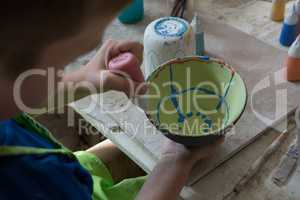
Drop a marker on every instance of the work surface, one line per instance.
(260, 65)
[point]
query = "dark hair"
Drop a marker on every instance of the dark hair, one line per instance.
(28, 25)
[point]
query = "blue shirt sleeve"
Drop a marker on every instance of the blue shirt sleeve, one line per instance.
(47, 176)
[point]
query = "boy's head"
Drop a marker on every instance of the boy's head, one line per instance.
(48, 33)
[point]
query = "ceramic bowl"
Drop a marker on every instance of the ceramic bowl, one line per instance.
(195, 100)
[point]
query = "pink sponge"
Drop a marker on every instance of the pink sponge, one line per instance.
(128, 63)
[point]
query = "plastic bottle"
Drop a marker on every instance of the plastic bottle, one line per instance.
(278, 9)
(289, 28)
(293, 61)
(133, 13)
(297, 6)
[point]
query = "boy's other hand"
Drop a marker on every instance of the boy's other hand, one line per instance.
(96, 70)
(113, 48)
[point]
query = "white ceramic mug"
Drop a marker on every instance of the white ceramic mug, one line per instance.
(167, 38)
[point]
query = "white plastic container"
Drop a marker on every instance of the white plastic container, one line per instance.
(167, 38)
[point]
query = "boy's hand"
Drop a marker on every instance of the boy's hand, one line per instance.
(191, 155)
(113, 48)
(96, 71)
(172, 171)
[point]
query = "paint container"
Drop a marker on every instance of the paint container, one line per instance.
(293, 62)
(278, 9)
(129, 64)
(133, 13)
(199, 35)
(289, 28)
(167, 38)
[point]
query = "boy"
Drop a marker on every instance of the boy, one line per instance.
(33, 165)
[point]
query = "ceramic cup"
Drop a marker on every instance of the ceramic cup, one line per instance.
(195, 100)
(167, 38)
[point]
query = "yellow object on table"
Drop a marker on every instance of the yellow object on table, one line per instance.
(278, 9)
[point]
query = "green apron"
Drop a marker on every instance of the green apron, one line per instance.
(104, 187)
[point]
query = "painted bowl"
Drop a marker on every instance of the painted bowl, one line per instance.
(195, 100)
